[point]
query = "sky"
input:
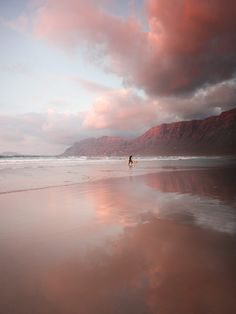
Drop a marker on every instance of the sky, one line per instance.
(73, 69)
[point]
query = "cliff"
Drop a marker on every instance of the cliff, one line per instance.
(212, 136)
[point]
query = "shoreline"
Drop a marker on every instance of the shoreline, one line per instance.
(28, 177)
(110, 178)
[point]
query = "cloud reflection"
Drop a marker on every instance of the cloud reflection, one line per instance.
(130, 245)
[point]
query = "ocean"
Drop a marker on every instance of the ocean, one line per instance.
(31, 172)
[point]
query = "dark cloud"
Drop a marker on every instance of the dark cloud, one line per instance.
(193, 43)
(189, 43)
(185, 61)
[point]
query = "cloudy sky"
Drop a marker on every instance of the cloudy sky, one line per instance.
(71, 69)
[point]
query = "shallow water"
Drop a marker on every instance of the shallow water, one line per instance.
(25, 173)
(157, 243)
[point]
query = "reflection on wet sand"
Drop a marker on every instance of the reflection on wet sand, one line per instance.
(204, 197)
(155, 268)
(153, 244)
(215, 182)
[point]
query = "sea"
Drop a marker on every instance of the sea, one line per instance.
(19, 173)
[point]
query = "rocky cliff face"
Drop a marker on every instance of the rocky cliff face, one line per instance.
(212, 136)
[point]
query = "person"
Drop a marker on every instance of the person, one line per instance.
(130, 163)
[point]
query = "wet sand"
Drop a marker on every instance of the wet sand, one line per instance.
(157, 243)
(22, 174)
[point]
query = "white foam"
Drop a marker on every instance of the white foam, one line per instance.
(17, 173)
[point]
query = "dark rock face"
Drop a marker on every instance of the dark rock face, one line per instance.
(211, 136)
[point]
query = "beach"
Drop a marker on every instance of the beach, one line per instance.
(95, 236)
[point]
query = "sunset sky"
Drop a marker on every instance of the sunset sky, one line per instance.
(72, 69)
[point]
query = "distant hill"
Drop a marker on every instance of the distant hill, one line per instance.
(215, 135)
(10, 154)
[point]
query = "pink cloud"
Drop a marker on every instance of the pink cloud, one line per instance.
(67, 23)
(190, 43)
(117, 112)
(121, 110)
(117, 43)
(91, 86)
(125, 112)
(197, 44)
(33, 133)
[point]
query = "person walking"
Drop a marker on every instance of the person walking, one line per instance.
(130, 163)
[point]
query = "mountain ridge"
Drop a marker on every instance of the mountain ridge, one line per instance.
(214, 135)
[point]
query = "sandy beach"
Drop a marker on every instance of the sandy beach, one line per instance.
(157, 241)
